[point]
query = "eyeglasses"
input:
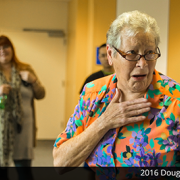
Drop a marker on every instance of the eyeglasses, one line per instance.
(150, 56)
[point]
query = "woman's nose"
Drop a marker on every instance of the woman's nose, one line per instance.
(142, 63)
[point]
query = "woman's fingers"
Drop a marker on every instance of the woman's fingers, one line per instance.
(135, 109)
(134, 119)
(24, 75)
(138, 106)
(27, 76)
(137, 112)
(120, 113)
(135, 101)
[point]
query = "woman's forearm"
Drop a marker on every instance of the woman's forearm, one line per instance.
(75, 151)
(39, 91)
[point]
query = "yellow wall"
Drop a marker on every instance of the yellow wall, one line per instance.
(104, 14)
(173, 66)
(47, 55)
(88, 23)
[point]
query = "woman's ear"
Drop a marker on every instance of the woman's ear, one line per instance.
(109, 54)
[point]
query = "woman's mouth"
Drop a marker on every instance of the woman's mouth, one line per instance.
(139, 77)
(2, 54)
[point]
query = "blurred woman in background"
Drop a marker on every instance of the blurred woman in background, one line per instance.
(19, 85)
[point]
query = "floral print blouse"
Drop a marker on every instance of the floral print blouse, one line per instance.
(154, 142)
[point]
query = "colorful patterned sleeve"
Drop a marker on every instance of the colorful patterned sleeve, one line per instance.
(77, 121)
(177, 135)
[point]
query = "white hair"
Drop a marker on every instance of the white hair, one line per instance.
(134, 22)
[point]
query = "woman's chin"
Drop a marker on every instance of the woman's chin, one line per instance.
(139, 87)
(5, 61)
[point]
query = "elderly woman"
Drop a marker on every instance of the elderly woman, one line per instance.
(130, 118)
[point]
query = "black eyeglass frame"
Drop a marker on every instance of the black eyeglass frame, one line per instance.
(140, 56)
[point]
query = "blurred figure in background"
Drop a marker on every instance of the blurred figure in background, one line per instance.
(19, 85)
(107, 69)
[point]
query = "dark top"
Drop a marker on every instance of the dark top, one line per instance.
(92, 77)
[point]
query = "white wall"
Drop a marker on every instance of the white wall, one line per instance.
(47, 55)
(159, 9)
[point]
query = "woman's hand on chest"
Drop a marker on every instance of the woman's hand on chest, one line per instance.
(120, 113)
(28, 76)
